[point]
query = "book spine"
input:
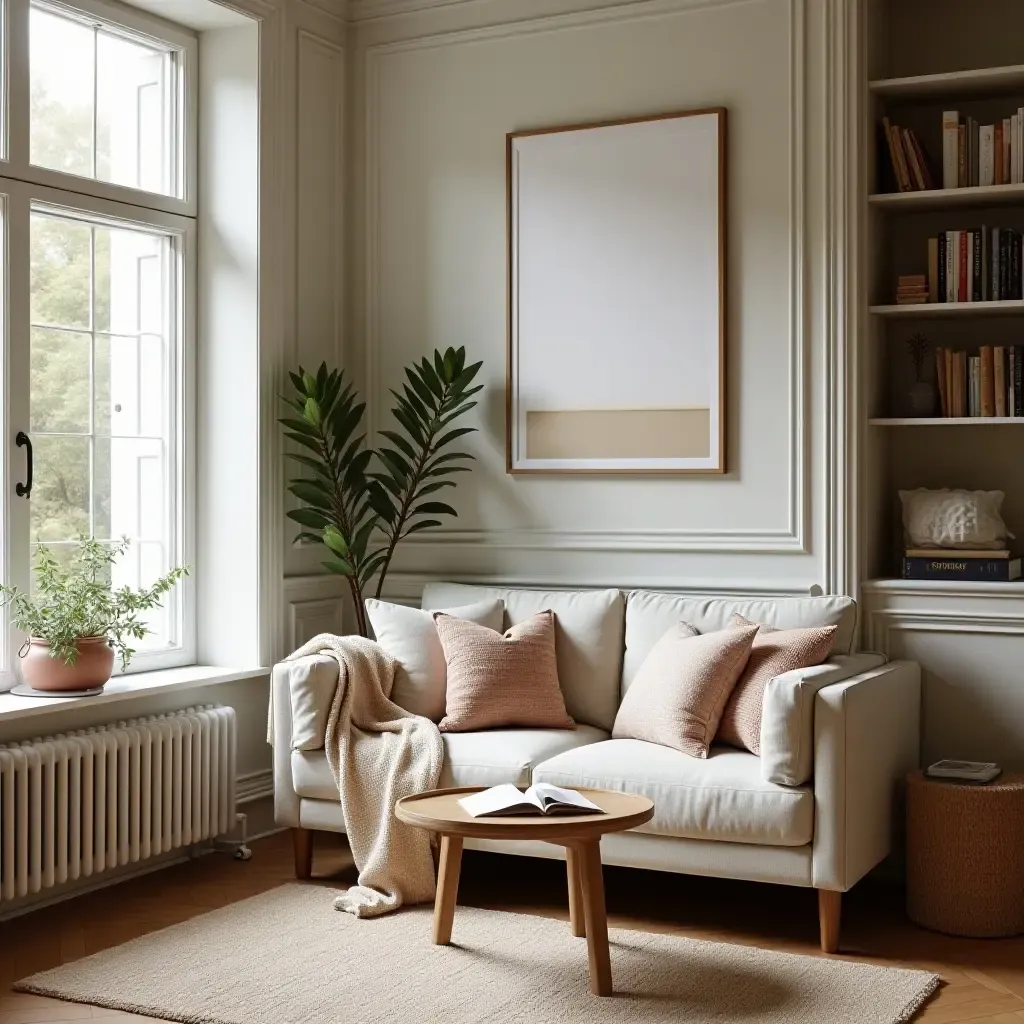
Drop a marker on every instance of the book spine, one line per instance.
(962, 293)
(950, 148)
(1006, 151)
(986, 155)
(974, 378)
(975, 153)
(940, 380)
(910, 154)
(986, 259)
(933, 270)
(950, 237)
(1004, 254)
(976, 277)
(1001, 570)
(1014, 267)
(1018, 382)
(941, 240)
(961, 156)
(1011, 407)
(922, 161)
(890, 141)
(994, 263)
(999, 379)
(950, 397)
(1015, 149)
(997, 154)
(961, 398)
(987, 380)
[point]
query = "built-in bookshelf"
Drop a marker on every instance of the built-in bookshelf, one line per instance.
(914, 77)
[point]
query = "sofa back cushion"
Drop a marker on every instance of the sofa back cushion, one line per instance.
(649, 615)
(588, 639)
(410, 637)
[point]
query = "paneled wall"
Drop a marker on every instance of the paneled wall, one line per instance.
(434, 90)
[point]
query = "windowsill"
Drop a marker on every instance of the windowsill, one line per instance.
(127, 687)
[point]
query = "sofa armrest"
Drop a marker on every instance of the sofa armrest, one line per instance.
(866, 740)
(279, 735)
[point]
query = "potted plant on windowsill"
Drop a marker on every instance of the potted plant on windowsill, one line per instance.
(77, 621)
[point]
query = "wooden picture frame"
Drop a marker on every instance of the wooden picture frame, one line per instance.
(616, 329)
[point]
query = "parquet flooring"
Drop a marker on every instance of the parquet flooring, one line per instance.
(983, 980)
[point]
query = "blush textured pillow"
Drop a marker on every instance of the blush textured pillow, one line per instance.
(679, 692)
(775, 651)
(410, 637)
(501, 680)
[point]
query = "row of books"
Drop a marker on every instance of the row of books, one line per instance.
(910, 166)
(980, 566)
(982, 154)
(980, 265)
(990, 383)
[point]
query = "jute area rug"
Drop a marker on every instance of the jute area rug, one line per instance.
(287, 957)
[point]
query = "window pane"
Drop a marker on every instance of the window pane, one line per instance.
(102, 413)
(104, 103)
(61, 272)
(60, 491)
(61, 63)
(60, 381)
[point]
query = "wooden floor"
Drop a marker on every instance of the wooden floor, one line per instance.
(983, 979)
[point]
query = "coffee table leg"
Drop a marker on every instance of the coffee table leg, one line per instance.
(574, 869)
(447, 888)
(597, 921)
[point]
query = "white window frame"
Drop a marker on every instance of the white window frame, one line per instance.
(14, 150)
(24, 185)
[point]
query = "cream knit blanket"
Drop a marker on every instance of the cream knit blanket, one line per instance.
(378, 753)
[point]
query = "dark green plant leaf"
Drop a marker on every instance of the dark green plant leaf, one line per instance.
(455, 415)
(300, 426)
(399, 442)
(321, 380)
(308, 517)
(356, 470)
(411, 426)
(361, 539)
(422, 391)
(388, 482)
(314, 464)
(430, 378)
(460, 360)
(439, 369)
(449, 365)
(431, 488)
(312, 538)
(446, 470)
(307, 442)
(437, 508)
(371, 566)
(401, 469)
(311, 494)
(422, 524)
(380, 503)
(452, 435)
(297, 381)
(465, 377)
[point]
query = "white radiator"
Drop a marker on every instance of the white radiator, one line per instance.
(83, 802)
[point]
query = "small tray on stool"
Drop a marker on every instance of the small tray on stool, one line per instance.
(24, 690)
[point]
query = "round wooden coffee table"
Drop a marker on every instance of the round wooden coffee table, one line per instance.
(439, 811)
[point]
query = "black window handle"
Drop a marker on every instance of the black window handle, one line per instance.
(22, 440)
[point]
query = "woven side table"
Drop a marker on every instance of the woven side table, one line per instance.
(965, 855)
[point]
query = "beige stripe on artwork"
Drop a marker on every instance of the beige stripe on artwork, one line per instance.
(618, 434)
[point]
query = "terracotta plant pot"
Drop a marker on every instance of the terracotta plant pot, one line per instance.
(92, 667)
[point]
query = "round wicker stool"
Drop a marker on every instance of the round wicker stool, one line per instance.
(965, 855)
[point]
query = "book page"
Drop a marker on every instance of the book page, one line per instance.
(498, 800)
(548, 796)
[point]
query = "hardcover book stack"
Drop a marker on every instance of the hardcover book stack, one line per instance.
(911, 289)
(982, 154)
(983, 566)
(990, 383)
(978, 265)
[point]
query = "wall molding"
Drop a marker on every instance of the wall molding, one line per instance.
(794, 537)
(254, 786)
(407, 587)
(313, 604)
(883, 622)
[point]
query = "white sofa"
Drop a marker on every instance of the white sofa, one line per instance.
(817, 807)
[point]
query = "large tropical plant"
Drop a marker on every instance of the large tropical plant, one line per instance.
(359, 501)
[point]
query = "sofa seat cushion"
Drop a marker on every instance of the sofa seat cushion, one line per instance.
(723, 797)
(470, 758)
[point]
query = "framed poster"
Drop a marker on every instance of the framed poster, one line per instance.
(617, 296)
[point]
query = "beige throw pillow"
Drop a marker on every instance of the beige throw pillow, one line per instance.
(501, 680)
(410, 637)
(678, 694)
(775, 651)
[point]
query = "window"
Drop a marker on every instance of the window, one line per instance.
(99, 232)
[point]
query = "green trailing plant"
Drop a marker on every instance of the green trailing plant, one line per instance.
(361, 502)
(76, 600)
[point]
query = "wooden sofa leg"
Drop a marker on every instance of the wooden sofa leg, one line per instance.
(302, 845)
(830, 905)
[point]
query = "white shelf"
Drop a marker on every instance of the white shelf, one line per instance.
(931, 310)
(947, 588)
(981, 81)
(947, 198)
(948, 421)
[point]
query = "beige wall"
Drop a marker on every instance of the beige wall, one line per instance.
(433, 95)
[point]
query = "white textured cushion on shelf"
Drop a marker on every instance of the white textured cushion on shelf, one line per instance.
(787, 715)
(410, 637)
(953, 519)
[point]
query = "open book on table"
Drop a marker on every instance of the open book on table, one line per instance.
(540, 798)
